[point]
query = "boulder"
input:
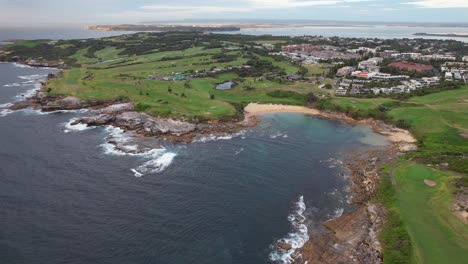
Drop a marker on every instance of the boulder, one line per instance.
(284, 246)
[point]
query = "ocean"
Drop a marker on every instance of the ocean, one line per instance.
(378, 31)
(68, 196)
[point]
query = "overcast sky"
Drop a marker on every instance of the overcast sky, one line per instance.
(14, 12)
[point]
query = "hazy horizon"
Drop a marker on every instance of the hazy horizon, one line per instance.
(86, 12)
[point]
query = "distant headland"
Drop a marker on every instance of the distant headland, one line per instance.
(457, 35)
(164, 28)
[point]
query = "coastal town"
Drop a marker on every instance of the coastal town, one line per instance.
(376, 69)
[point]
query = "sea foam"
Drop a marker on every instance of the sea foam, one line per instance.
(297, 238)
(119, 144)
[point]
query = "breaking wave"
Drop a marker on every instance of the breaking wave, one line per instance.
(18, 65)
(119, 143)
(209, 138)
(278, 134)
(155, 165)
(297, 238)
(78, 127)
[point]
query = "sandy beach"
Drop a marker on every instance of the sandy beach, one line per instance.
(396, 135)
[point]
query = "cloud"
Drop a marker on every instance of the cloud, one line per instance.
(439, 3)
(251, 5)
(177, 10)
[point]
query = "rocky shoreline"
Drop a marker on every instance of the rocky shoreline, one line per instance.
(351, 238)
(122, 114)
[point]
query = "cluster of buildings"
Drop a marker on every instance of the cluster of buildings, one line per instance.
(360, 87)
(301, 48)
(182, 76)
(393, 54)
(455, 71)
(411, 66)
(310, 54)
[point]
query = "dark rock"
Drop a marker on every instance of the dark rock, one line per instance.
(284, 246)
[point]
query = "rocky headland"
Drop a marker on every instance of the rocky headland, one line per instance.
(351, 238)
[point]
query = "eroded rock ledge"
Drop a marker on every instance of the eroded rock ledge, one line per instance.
(122, 114)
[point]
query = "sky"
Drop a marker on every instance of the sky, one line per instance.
(87, 12)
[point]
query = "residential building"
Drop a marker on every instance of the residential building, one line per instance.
(344, 71)
(448, 76)
(341, 92)
(411, 66)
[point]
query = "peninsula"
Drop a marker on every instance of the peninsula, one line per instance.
(164, 28)
(457, 35)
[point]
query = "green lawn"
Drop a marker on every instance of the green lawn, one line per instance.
(437, 235)
(438, 121)
(360, 103)
(318, 69)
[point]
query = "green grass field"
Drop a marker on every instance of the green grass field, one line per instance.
(109, 74)
(437, 235)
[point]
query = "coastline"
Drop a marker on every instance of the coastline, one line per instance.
(350, 230)
(395, 135)
(351, 237)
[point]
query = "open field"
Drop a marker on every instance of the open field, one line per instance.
(116, 67)
(437, 235)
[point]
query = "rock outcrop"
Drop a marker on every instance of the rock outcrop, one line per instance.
(351, 239)
(122, 114)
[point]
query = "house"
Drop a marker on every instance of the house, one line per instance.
(397, 89)
(293, 77)
(372, 62)
(430, 81)
(322, 86)
(448, 76)
(465, 77)
(355, 91)
(360, 74)
(344, 71)
(386, 90)
(388, 53)
(465, 58)
(345, 83)
(373, 69)
(457, 76)
(341, 92)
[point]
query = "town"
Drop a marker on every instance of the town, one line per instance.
(371, 67)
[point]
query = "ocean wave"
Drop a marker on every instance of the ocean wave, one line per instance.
(77, 127)
(118, 143)
(18, 65)
(278, 134)
(12, 85)
(212, 137)
(297, 238)
(5, 112)
(33, 77)
(155, 165)
(6, 105)
(239, 151)
(30, 92)
(337, 213)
